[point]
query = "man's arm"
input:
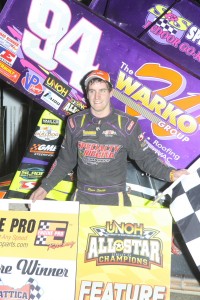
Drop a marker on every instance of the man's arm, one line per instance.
(149, 161)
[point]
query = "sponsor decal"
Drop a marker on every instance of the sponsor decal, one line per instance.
(73, 106)
(27, 185)
(109, 133)
(51, 234)
(31, 290)
(7, 56)
(31, 84)
(89, 133)
(8, 292)
(9, 72)
(174, 120)
(8, 42)
(170, 28)
(57, 86)
(174, 30)
(71, 123)
(46, 134)
(52, 99)
(128, 244)
(32, 173)
(43, 149)
(50, 122)
(130, 126)
(93, 153)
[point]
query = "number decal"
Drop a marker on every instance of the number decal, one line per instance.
(49, 42)
(81, 61)
(41, 13)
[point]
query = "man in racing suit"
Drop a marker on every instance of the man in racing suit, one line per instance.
(99, 140)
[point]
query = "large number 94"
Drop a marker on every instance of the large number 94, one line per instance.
(49, 42)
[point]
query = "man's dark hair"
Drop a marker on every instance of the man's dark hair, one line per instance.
(99, 80)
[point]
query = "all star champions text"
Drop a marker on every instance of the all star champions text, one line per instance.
(98, 290)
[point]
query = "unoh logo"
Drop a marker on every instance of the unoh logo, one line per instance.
(32, 84)
(168, 30)
(32, 173)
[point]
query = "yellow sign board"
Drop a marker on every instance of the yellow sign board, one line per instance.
(85, 252)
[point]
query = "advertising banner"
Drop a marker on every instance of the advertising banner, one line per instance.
(123, 253)
(48, 46)
(176, 34)
(38, 254)
(69, 251)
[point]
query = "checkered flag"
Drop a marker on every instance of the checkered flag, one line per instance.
(185, 209)
(36, 291)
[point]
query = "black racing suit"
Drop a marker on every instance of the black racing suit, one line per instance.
(101, 147)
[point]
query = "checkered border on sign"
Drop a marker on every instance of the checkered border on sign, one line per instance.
(36, 290)
(41, 240)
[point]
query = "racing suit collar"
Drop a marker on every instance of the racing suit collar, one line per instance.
(109, 117)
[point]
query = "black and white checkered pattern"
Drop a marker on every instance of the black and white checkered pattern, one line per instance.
(36, 290)
(164, 24)
(185, 209)
(100, 231)
(44, 225)
(41, 240)
(148, 234)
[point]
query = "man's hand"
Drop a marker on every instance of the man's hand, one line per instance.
(39, 194)
(178, 173)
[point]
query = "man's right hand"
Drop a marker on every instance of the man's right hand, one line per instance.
(39, 194)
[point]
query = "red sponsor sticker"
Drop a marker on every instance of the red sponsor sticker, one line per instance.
(9, 292)
(71, 122)
(130, 126)
(9, 72)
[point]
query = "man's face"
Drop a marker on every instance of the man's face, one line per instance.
(99, 97)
